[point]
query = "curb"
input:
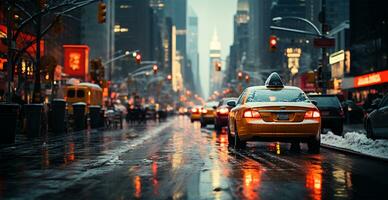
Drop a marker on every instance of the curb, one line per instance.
(353, 152)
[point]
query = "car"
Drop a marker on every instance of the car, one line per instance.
(195, 113)
(222, 113)
(332, 114)
(274, 112)
(375, 124)
(353, 113)
(208, 113)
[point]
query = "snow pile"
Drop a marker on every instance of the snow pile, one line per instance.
(357, 142)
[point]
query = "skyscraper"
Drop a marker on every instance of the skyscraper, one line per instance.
(192, 48)
(215, 79)
(134, 29)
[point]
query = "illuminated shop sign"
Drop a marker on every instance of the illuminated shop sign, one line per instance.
(76, 61)
(371, 79)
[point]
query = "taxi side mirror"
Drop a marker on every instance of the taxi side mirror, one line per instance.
(314, 102)
(214, 107)
(231, 103)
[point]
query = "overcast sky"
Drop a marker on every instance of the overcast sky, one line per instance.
(213, 14)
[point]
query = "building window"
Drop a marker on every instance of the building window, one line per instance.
(124, 6)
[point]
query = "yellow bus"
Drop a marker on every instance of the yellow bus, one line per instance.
(89, 93)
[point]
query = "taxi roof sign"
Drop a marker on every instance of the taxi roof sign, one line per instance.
(274, 80)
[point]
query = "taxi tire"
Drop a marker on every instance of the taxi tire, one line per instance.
(217, 127)
(203, 125)
(314, 145)
(238, 144)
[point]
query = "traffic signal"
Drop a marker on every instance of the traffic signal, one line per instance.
(169, 77)
(218, 66)
(247, 78)
(97, 71)
(239, 75)
(272, 43)
(137, 57)
(155, 69)
(101, 12)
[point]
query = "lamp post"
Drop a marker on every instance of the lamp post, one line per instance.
(316, 33)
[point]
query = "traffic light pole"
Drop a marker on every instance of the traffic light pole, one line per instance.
(324, 49)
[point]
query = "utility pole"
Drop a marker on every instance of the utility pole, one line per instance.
(322, 19)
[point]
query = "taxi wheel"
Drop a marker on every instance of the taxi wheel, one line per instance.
(203, 124)
(314, 145)
(217, 127)
(230, 138)
(238, 144)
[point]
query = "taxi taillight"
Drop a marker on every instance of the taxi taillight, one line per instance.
(251, 114)
(204, 110)
(194, 110)
(312, 114)
(223, 111)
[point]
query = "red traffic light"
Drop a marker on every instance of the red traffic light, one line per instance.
(138, 58)
(169, 77)
(247, 78)
(240, 75)
(272, 42)
(218, 66)
(155, 69)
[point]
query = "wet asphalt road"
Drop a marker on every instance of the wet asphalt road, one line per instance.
(179, 160)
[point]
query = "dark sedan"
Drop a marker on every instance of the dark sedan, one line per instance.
(332, 114)
(222, 113)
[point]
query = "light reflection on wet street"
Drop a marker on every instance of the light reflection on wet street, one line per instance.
(179, 160)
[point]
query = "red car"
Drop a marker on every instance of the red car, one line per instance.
(222, 113)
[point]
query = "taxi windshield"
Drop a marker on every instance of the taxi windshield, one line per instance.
(281, 95)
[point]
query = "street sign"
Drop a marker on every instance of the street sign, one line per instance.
(324, 42)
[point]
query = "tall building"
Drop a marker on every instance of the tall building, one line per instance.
(95, 35)
(239, 48)
(216, 77)
(134, 29)
(192, 48)
(258, 56)
(309, 58)
(177, 11)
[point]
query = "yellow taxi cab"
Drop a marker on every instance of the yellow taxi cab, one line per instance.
(208, 113)
(195, 113)
(274, 112)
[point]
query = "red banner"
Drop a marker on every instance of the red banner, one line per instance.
(76, 61)
(371, 79)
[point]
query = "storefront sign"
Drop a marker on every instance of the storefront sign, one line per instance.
(337, 57)
(76, 61)
(371, 79)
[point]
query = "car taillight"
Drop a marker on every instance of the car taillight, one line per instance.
(251, 114)
(204, 110)
(223, 111)
(312, 114)
(194, 110)
(341, 112)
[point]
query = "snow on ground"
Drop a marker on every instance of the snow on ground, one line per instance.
(358, 142)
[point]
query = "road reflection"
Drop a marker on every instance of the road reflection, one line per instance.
(69, 153)
(251, 173)
(314, 180)
(137, 184)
